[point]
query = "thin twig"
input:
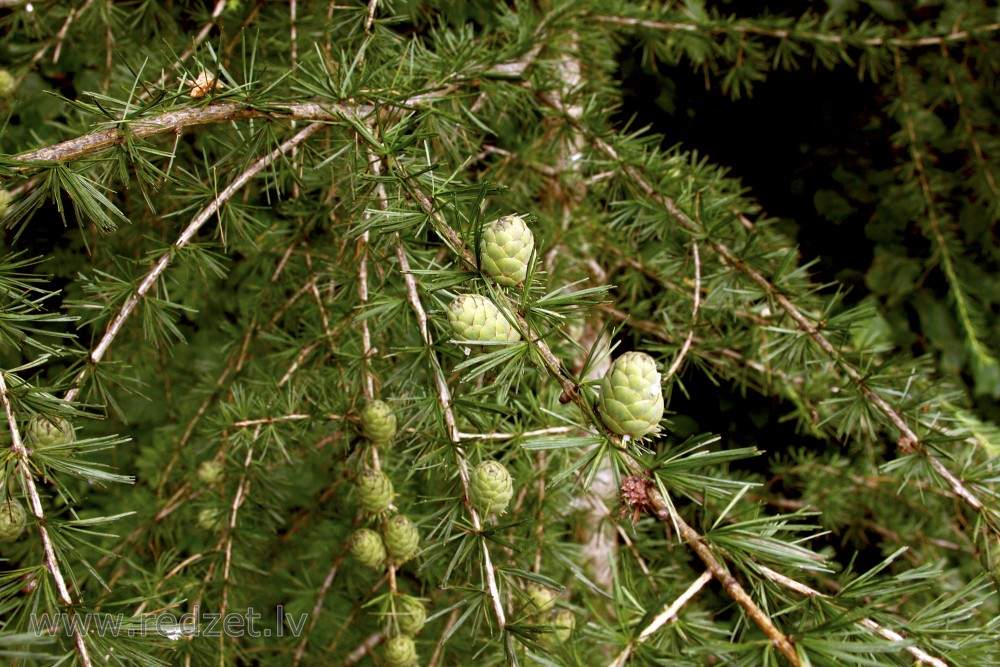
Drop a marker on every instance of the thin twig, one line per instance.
(554, 430)
(300, 650)
(666, 513)
(919, 654)
(694, 314)
(668, 614)
(439, 647)
(273, 420)
(778, 33)
(444, 400)
(978, 349)
(364, 648)
(17, 446)
(189, 232)
(61, 35)
(175, 121)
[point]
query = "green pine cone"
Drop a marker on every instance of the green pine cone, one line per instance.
(210, 472)
(42, 432)
(5, 199)
(410, 615)
(400, 651)
(211, 518)
(540, 598)
(378, 423)
(13, 520)
(490, 487)
(375, 491)
(8, 84)
(505, 249)
(474, 318)
(367, 547)
(563, 622)
(402, 539)
(631, 398)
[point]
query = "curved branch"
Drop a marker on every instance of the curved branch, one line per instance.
(189, 232)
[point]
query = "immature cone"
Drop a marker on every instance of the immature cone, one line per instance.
(400, 651)
(490, 487)
(631, 399)
(374, 491)
(8, 84)
(474, 318)
(210, 472)
(211, 518)
(5, 198)
(12, 520)
(367, 547)
(505, 249)
(42, 432)
(378, 423)
(402, 539)
(540, 598)
(410, 615)
(563, 622)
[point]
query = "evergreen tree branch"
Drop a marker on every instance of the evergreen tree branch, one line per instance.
(115, 326)
(554, 430)
(668, 614)
(370, 20)
(444, 401)
(74, 12)
(317, 609)
(921, 656)
(220, 6)
(363, 649)
(977, 147)
(694, 315)
(51, 560)
(176, 121)
(439, 646)
(665, 512)
(729, 27)
(979, 350)
(555, 368)
(242, 491)
(802, 322)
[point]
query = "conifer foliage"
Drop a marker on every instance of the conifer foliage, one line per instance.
(369, 333)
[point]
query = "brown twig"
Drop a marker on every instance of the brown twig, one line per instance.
(51, 560)
(668, 614)
(665, 512)
(300, 650)
(778, 33)
(61, 35)
(694, 314)
(186, 236)
(921, 656)
(175, 121)
(439, 647)
(364, 648)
